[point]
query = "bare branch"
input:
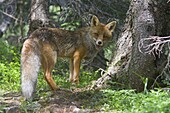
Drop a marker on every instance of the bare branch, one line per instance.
(153, 45)
(9, 15)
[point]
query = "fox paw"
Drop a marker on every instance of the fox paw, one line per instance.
(76, 81)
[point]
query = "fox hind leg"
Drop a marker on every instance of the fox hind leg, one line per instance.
(48, 63)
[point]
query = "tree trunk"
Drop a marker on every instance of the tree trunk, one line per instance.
(38, 15)
(141, 66)
(129, 66)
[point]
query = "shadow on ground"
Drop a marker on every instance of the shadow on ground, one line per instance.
(63, 101)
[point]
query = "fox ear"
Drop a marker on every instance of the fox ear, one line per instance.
(94, 21)
(111, 26)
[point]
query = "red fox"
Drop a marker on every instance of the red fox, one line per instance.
(45, 45)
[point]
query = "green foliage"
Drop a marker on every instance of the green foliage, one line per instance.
(9, 67)
(55, 11)
(128, 101)
(109, 50)
(70, 25)
(87, 78)
(10, 76)
(6, 51)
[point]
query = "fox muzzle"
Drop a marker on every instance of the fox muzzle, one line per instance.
(99, 42)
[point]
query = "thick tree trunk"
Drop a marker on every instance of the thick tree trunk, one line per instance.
(141, 66)
(129, 66)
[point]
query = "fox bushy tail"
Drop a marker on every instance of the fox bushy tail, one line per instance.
(30, 64)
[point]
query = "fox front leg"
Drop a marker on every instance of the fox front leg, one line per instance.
(77, 57)
(71, 70)
(76, 69)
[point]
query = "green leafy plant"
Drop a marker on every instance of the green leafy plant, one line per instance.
(9, 68)
(127, 101)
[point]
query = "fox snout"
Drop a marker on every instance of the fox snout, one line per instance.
(99, 42)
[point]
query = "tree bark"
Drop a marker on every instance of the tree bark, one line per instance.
(141, 66)
(39, 15)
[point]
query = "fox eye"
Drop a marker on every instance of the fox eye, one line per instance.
(96, 34)
(106, 37)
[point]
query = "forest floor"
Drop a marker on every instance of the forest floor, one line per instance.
(84, 100)
(79, 100)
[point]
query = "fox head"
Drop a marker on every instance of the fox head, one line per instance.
(101, 33)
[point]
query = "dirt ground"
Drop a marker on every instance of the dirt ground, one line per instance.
(62, 101)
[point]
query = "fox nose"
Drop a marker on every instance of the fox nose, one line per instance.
(99, 42)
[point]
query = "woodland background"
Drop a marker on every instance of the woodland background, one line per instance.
(131, 74)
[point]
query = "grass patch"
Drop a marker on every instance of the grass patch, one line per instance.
(128, 101)
(62, 79)
(125, 101)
